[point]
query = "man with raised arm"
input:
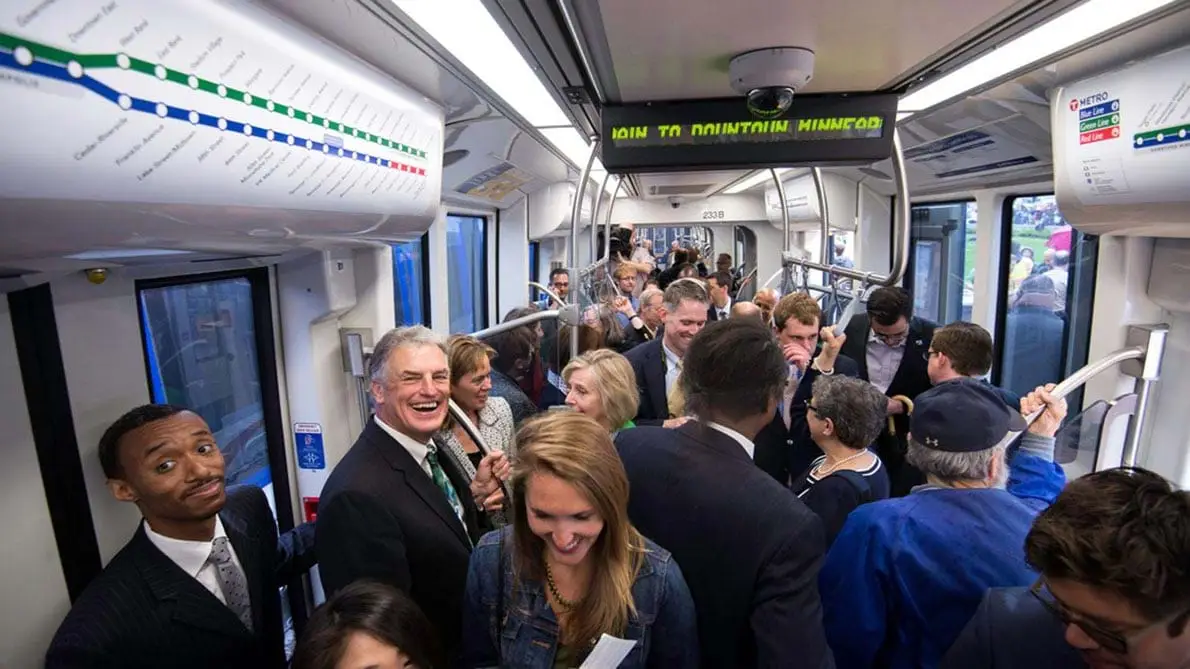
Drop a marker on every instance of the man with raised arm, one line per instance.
(905, 575)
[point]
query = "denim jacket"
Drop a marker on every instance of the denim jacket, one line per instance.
(664, 626)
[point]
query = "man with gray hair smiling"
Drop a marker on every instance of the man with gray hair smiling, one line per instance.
(396, 510)
(906, 574)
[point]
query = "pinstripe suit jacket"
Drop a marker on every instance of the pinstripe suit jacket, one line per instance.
(143, 611)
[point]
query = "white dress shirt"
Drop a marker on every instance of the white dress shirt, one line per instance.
(744, 442)
(673, 367)
(884, 360)
(193, 557)
(419, 451)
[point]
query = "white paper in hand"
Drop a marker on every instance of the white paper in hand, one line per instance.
(608, 653)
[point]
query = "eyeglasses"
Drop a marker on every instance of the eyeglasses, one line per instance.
(891, 339)
(815, 409)
(1109, 640)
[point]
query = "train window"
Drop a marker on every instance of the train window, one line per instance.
(1048, 284)
(467, 272)
(534, 269)
(409, 281)
(942, 258)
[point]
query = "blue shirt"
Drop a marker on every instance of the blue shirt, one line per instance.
(905, 575)
(664, 626)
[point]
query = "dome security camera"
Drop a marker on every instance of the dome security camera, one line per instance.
(769, 78)
(674, 201)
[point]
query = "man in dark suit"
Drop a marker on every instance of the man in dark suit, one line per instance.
(394, 509)
(784, 448)
(892, 347)
(719, 290)
(658, 363)
(197, 584)
(749, 549)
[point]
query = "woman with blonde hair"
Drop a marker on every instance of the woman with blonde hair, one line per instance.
(470, 387)
(602, 385)
(571, 567)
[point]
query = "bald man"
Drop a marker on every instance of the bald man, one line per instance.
(766, 299)
(746, 310)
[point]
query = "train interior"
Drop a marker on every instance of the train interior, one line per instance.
(223, 204)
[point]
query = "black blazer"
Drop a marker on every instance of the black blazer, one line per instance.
(749, 549)
(785, 453)
(911, 379)
(144, 611)
(381, 517)
(648, 362)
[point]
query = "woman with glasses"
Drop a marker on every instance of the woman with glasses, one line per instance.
(571, 567)
(845, 415)
(602, 385)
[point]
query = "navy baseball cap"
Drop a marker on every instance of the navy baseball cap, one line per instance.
(962, 416)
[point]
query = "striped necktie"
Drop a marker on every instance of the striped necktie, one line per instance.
(231, 581)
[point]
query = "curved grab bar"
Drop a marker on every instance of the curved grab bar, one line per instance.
(547, 291)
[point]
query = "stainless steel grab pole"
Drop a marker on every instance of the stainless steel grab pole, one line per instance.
(607, 225)
(561, 314)
(1137, 424)
(575, 214)
(547, 291)
(595, 211)
(786, 231)
(461, 416)
(820, 187)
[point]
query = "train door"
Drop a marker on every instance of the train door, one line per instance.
(942, 258)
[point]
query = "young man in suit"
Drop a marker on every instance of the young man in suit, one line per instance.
(784, 448)
(658, 363)
(197, 586)
(749, 549)
(892, 347)
(394, 509)
(719, 290)
(962, 350)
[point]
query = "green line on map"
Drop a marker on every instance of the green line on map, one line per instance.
(122, 61)
(1099, 122)
(1170, 132)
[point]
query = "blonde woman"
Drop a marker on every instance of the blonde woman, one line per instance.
(470, 387)
(571, 567)
(602, 385)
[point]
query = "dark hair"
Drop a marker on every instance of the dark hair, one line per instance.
(889, 304)
(734, 368)
(516, 344)
(967, 346)
(520, 312)
(1123, 530)
(722, 277)
(856, 407)
(109, 443)
(375, 609)
(681, 257)
(556, 271)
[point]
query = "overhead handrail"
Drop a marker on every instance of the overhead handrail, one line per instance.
(547, 291)
(900, 238)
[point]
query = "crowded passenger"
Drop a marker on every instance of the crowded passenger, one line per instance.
(784, 447)
(962, 350)
(515, 353)
(749, 549)
(1035, 335)
(560, 284)
(746, 310)
(601, 385)
(572, 567)
(470, 387)
(1113, 553)
(845, 415)
(533, 380)
(658, 363)
(719, 289)
(196, 586)
(905, 575)
(651, 313)
(396, 511)
(590, 338)
(892, 346)
(766, 299)
(368, 625)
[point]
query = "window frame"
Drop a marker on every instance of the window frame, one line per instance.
(909, 280)
(484, 317)
(260, 280)
(424, 282)
(1076, 340)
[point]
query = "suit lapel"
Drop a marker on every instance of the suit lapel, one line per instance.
(418, 480)
(193, 604)
(856, 346)
(911, 360)
(247, 547)
(657, 369)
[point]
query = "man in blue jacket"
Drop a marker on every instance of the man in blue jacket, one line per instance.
(905, 575)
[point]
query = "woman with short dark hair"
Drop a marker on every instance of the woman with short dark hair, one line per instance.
(368, 625)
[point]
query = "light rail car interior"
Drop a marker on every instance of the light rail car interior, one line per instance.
(225, 204)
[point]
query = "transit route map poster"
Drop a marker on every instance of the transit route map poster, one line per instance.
(204, 102)
(1126, 134)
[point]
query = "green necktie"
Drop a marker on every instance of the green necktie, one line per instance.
(443, 483)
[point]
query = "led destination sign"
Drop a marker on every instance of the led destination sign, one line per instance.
(713, 134)
(734, 132)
